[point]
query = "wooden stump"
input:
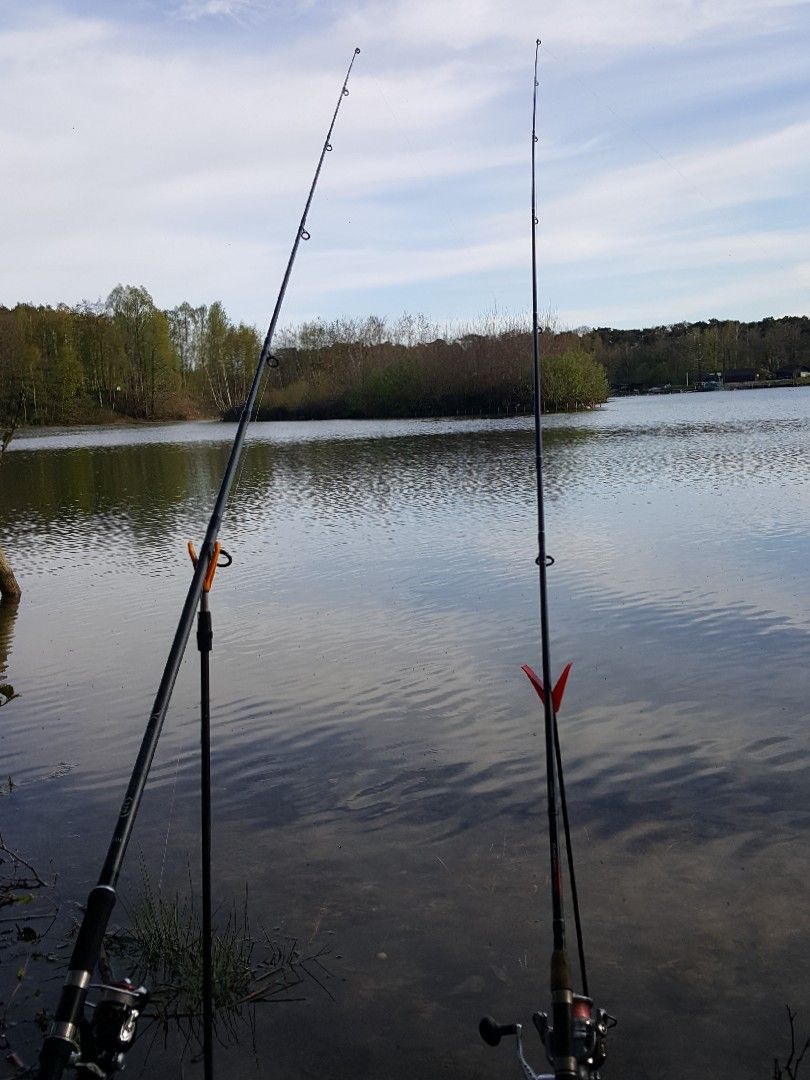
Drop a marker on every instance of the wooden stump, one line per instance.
(8, 583)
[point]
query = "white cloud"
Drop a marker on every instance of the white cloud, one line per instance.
(775, 292)
(632, 218)
(591, 24)
(200, 9)
(178, 154)
(711, 178)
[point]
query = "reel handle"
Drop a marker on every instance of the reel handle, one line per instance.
(492, 1032)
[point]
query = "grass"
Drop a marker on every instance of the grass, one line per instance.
(162, 948)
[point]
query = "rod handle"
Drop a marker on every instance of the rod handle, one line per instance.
(61, 1041)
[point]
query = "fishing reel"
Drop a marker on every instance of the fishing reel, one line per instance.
(589, 1028)
(108, 1034)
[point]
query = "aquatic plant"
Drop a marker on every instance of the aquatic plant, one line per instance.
(162, 948)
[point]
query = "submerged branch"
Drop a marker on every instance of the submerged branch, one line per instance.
(789, 1069)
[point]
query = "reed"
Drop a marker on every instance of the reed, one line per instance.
(162, 948)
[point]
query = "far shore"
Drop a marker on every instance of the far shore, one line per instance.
(108, 418)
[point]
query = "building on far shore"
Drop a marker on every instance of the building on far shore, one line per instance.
(793, 372)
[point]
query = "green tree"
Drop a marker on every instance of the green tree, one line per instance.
(144, 349)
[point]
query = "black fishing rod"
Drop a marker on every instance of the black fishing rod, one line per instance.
(205, 641)
(575, 1038)
(97, 1047)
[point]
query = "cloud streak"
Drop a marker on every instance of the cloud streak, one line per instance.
(176, 153)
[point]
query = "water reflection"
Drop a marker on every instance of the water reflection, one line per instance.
(138, 488)
(8, 616)
(377, 761)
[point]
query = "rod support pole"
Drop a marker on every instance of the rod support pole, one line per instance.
(205, 638)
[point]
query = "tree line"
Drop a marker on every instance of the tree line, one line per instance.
(121, 357)
(126, 358)
(684, 353)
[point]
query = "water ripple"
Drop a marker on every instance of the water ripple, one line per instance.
(377, 754)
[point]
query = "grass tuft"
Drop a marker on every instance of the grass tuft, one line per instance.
(163, 949)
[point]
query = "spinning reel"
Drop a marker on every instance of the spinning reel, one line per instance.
(105, 1038)
(589, 1028)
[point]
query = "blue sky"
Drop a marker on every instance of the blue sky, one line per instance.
(171, 144)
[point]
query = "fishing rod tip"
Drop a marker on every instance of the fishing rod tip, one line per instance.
(356, 50)
(538, 42)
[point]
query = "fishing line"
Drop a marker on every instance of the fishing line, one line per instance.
(169, 823)
(100, 1043)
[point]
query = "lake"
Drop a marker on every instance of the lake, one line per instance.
(378, 770)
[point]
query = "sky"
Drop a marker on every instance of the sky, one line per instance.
(171, 144)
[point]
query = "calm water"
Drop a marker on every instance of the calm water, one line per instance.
(377, 753)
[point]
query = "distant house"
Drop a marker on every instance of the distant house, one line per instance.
(741, 375)
(623, 389)
(709, 380)
(794, 372)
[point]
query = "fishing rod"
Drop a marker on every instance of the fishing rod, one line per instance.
(96, 1047)
(575, 1039)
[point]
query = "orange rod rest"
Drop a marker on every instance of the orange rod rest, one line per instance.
(212, 563)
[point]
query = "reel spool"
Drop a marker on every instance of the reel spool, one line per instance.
(109, 1033)
(589, 1028)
